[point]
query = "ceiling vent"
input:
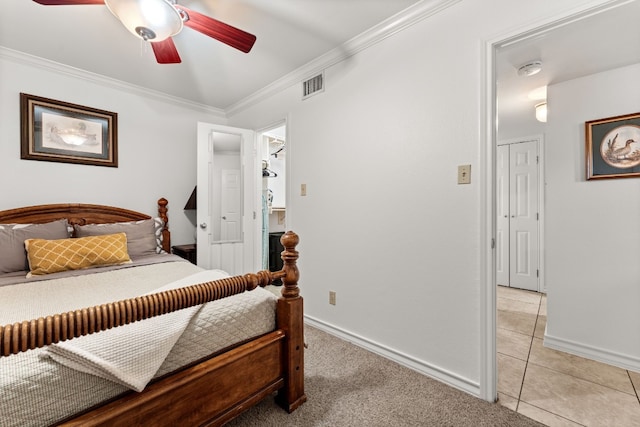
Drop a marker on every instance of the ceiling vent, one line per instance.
(313, 86)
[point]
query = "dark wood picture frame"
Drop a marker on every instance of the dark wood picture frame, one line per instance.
(58, 131)
(613, 147)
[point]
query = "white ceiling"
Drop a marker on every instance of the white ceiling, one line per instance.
(290, 33)
(592, 44)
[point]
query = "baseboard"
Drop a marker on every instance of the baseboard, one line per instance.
(420, 366)
(601, 355)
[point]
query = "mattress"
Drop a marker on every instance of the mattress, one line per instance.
(36, 391)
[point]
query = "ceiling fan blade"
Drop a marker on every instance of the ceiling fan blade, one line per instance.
(67, 2)
(220, 31)
(166, 52)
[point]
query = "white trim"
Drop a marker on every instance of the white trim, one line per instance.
(488, 350)
(424, 368)
(386, 28)
(77, 73)
(594, 353)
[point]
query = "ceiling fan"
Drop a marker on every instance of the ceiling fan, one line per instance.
(156, 21)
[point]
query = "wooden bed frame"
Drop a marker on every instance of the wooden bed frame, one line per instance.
(211, 392)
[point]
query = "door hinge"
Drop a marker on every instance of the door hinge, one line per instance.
(254, 214)
(493, 243)
(537, 159)
(537, 273)
(537, 216)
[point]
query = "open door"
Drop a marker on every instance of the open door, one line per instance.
(227, 188)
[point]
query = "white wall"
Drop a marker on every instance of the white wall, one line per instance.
(156, 146)
(385, 224)
(592, 227)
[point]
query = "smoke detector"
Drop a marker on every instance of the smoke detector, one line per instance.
(530, 68)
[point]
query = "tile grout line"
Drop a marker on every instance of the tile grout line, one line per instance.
(634, 386)
(526, 366)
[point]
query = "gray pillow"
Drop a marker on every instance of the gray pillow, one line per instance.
(13, 256)
(141, 238)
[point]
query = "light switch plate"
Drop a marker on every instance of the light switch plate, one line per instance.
(464, 174)
(303, 189)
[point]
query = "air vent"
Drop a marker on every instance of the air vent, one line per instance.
(313, 86)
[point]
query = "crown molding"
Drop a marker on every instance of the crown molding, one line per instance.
(77, 73)
(368, 38)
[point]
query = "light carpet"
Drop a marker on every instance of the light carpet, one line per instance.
(347, 385)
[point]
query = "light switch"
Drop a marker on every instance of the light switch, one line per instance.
(303, 189)
(464, 174)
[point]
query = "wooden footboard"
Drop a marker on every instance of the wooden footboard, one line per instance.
(209, 393)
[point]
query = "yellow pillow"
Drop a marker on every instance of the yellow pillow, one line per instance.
(51, 256)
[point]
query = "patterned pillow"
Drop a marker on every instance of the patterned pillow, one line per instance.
(159, 225)
(51, 256)
(141, 237)
(12, 236)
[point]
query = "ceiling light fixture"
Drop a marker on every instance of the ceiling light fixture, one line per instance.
(530, 68)
(151, 20)
(541, 112)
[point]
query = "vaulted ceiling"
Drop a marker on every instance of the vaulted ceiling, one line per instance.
(291, 34)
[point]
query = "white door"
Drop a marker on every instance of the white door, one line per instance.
(230, 204)
(229, 247)
(518, 216)
(502, 215)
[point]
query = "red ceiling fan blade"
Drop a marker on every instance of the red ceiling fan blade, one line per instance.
(67, 2)
(225, 33)
(166, 52)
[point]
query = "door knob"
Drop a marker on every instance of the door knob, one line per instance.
(203, 225)
(224, 217)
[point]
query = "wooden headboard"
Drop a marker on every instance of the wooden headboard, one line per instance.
(82, 214)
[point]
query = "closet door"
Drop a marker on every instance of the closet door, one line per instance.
(523, 225)
(517, 216)
(502, 215)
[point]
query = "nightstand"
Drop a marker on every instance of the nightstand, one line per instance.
(188, 252)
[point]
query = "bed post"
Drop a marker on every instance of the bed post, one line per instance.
(166, 234)
(290, 320)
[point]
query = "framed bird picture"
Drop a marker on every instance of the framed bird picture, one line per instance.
(613, 147)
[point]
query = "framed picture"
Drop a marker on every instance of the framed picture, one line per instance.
(58, 131)
(613, 147)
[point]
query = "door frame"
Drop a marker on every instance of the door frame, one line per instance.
(539, 138)
(287, 165)
(487, 159)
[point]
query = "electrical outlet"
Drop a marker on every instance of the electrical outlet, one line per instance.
(332, 297)
(464, 174)
(303, 189)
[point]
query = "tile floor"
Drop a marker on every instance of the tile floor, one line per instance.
(552, 387)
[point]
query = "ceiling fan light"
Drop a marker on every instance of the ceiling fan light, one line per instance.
(541, 112)
(151, 20)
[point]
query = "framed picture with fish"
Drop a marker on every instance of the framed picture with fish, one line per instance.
(613, 147)
(59, 131)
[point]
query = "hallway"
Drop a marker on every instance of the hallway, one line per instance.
(552, 387)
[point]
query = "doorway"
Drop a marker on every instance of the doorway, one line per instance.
(518, 214)
(273, 189)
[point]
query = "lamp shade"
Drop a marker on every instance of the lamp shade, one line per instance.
(192, 203)
(541, 112)
(152, 20)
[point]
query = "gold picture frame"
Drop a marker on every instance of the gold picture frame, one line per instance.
(613, 147)
(58, 131)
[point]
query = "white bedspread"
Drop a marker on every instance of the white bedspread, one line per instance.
(132, 354)
(37, 391)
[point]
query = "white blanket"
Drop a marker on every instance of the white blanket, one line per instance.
(131, 355)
